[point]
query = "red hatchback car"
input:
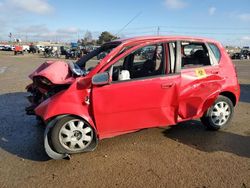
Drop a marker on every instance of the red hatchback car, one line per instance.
(141, 82)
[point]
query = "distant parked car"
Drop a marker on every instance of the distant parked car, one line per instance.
(51, 52)
(63, 50)
(1, 47)
(40, 48)
(147, 53)
(74, 53)
(33, 49)
(245, 54)
(236, 56)
(9, 48)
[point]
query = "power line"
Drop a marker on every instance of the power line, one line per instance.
(206, 33)
(191, 28)
(137, 15)
(208, 28)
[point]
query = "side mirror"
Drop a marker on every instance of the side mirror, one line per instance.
(101, 79)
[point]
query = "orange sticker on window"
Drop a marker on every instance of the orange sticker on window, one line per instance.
(200, 73)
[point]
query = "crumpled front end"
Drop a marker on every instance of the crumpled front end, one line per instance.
(48, 79)
(72, 102)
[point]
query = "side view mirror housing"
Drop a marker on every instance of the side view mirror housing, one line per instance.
(101, 79)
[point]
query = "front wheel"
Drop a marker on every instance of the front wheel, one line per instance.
(219, 114)
(72, 135)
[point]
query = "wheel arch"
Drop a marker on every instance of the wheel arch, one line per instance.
(229, 95)
(85, 118)
(49, 110)
(210, 100)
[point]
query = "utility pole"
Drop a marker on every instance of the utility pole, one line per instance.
(158, 30)
(10, 36)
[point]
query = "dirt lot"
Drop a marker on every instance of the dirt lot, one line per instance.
(185, 155)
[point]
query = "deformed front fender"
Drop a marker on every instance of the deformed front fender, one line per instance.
(70, 103)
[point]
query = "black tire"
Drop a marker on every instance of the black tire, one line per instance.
(57, 135)
(208, 119)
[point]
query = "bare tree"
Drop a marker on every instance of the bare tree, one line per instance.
(88, 38)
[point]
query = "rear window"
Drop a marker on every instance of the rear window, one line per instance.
(215, 51)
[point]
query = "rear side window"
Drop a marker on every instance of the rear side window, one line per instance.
(215, 51)
(194, 54)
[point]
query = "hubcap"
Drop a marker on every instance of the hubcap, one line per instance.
(75, 135)
(220, 113)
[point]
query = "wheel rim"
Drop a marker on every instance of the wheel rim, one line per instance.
(75, 135)
(220, 113)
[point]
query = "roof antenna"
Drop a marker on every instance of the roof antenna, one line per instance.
(137, 15)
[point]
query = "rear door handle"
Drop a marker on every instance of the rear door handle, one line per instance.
(215, 72)
(166, 86)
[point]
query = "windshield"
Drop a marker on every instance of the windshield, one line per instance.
(92, 59)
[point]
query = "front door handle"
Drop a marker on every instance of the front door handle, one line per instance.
(167, 85)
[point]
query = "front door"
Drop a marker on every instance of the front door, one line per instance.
(148, 97)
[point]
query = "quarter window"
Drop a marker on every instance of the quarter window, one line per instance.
(215, 51)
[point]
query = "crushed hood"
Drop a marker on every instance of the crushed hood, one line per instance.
(57, 72)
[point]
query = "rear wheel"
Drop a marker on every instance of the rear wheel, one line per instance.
(219, 114)
(72, 135)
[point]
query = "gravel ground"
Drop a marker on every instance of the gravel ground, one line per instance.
(186, 155)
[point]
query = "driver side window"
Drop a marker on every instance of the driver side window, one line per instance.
(144, 62)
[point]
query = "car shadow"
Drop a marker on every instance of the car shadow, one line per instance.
(20, 135)
(245, 93)
(193, 134)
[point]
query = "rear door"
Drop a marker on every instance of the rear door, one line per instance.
(200, 79)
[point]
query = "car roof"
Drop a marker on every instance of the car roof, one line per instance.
(167, 38)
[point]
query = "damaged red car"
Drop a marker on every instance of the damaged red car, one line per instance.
(141, 82)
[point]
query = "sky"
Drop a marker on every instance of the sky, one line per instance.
(61, 20)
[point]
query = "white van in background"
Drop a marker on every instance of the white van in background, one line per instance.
(40, 48)
(26, 48)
